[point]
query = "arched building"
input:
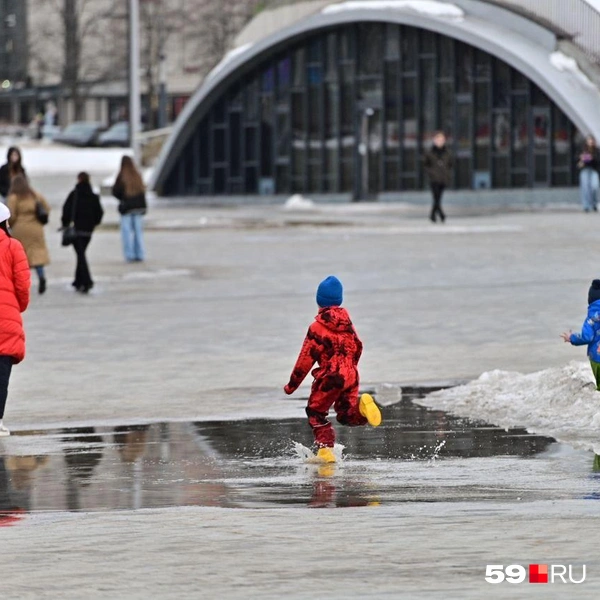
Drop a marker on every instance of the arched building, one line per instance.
(341, 98)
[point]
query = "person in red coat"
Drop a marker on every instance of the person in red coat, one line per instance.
(332, 343)
(14, 299)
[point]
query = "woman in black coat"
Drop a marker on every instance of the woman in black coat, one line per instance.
(438, 165)
(82, 208)
(10, 169)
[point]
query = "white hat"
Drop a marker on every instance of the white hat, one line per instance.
(4, 213)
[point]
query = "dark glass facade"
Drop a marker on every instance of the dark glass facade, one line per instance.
(352, 109)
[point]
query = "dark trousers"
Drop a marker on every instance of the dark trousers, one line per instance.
(437, 190)
(83, 277)
(6, 363)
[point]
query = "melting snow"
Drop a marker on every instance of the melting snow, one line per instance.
(559, 402)
(565, 63)
(429, 7)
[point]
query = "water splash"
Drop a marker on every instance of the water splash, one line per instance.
(306, 454)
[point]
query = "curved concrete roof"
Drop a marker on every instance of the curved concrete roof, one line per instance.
(519, 42)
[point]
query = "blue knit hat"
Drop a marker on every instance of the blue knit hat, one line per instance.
(330, 292)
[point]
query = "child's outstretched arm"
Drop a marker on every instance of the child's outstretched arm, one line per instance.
(306, 359)
(588, 332)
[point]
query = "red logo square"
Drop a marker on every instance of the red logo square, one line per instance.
(538, 573)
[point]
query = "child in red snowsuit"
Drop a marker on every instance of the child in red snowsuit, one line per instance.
(333, 344)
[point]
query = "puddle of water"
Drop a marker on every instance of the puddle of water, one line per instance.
(417, 455)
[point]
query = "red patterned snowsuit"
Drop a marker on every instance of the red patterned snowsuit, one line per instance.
(333, 344)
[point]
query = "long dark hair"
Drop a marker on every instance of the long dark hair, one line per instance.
(4, 227)
(130, 178)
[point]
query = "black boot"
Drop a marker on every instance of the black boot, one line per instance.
(42, 286)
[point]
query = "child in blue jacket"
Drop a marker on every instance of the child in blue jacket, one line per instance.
(590, 332)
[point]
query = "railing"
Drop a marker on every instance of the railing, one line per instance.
(575, 20)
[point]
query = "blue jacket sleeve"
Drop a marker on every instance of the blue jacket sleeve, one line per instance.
(588, 332)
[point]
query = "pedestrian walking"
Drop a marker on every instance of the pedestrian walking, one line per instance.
(15, 280)
(590, 332)
(438, 162)
(82, 210)
(28, 210)
(332, 342)
(10, 169)
(588, 163)
(130, 191)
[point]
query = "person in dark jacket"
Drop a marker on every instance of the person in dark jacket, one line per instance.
(588, 164)
(438, 166)
(590, 331)
(10, 169)
(130, 191)
(82, 208)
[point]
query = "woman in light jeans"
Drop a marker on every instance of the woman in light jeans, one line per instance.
(130, 191)
(588, 164)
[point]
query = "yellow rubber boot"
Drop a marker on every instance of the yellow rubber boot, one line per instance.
(326, 455)
(369, 410)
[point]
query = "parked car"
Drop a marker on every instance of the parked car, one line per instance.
(117, 135)
(80, 133)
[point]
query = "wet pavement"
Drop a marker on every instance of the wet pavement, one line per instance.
(417, 455)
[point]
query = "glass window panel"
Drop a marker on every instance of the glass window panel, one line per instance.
(370, 90)
(561, 178)
(482, 126)
(235, 150)
(538, 98)
(298, 67)
(541, 132)
(314, 50)
(483, 65)
(252, 102)
(314, 177)
(392, 110)
(219, 144)
(463, 127)
(519, 180)
(446, 56)
(520, 136)
(409, 125)
(464, 68)
(446, 108)
(219, 112)
(561, 139)
(392, 42)
(347, 176)
(284, 77)
(408, 43)
(519, 81)
(392, 176)
(266, 149)
(268, 81)
(347, 73)
(347, 121)
(501, 84)
(204, 148)
(331, 57)
(235, 95)
(501, 176)
(426, 42)
(251, 180)
(501, 133)
(463, 173)
(250, 144)
(541, 171)
(370, 43)
(283, 179)
(409, 183)
(347, 42)
(219, 181)
(283, 134)
(428, 100)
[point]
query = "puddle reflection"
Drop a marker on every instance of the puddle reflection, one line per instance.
(252, 464)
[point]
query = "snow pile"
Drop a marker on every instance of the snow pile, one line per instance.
(431, 8)
(298, 202)
(560, 402)
(566, 64)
